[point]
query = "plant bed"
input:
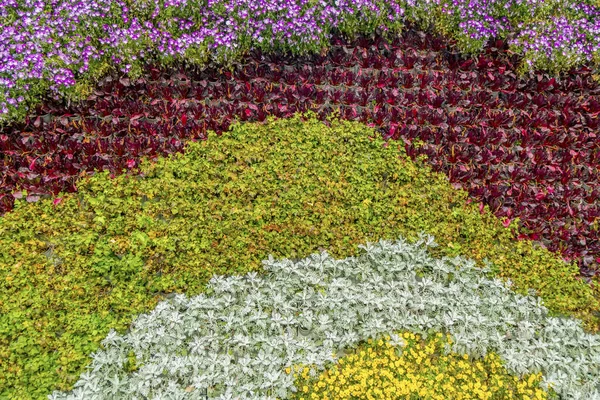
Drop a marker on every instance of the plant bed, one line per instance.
(526, 148)
(245, 336)
(495, 159)
(71, 270)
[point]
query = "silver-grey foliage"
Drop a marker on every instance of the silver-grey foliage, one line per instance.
(238, 339)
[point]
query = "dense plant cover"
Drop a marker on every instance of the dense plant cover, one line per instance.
(241, 338)
(72, 269)
(527, 148)
(420, 369)
(63, 46)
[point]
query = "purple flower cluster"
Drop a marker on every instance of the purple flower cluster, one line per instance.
(40, 41)
(477, 17)
(554, 34)
(560, 41)
(484, 19)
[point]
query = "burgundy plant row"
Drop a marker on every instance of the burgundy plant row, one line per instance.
(528, 148)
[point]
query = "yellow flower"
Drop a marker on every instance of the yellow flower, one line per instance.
(376, 372)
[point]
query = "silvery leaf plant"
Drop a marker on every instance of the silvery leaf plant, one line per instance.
(237, 341)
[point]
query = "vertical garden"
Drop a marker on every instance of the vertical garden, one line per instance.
(299, 199)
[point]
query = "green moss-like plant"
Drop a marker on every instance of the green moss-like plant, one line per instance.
(71, 271)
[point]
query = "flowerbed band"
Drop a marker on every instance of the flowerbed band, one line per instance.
(239, 338)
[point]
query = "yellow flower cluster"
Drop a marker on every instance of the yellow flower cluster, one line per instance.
(419, 370)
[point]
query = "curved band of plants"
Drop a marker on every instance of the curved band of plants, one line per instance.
(239, 338)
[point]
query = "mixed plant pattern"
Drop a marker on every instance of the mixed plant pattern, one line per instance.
(239, 338)
(72, 269)
(527, 148)
(503, 97)
(62, 45)
(45, 44)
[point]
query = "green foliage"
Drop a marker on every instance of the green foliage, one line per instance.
(70, 272)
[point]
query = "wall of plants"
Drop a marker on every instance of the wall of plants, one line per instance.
(154, 155)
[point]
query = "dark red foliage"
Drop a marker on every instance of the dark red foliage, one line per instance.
(527, 148)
